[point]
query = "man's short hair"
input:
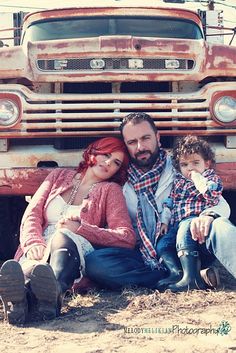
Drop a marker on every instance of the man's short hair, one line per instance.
(137, 118)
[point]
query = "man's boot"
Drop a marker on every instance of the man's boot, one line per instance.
(172, 263)
(211, 277)
(190, 262)
(13, 292)
(50, 282)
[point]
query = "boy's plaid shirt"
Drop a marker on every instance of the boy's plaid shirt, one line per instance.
(188, 201)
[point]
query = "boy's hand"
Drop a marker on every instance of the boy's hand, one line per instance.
(164, 229)
(199, 181)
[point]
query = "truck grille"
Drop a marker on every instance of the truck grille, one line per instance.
(111, 64)
(73, 114)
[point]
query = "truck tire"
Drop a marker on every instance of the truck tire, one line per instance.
(11, 211)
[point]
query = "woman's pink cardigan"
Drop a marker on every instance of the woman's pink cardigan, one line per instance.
(104, 215)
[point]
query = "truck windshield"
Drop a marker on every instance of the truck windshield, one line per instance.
(161, 27)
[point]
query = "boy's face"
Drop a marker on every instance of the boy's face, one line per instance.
(192, 162)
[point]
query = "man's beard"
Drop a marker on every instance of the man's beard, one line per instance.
(146, 163)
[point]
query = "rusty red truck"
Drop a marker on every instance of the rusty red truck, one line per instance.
(78, 71)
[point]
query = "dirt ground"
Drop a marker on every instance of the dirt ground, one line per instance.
(134, 321)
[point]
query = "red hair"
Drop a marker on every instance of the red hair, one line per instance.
(104, 146)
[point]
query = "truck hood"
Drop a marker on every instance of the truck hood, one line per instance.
(208, 60)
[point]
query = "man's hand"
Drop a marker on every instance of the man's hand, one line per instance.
(36, 252)
(200, 227)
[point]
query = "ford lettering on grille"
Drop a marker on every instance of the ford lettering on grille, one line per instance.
(97, 64)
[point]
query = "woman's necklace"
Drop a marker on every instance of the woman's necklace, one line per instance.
(72, 197)
(73, 193)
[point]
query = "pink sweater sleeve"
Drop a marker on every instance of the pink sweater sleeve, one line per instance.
(118, 231)
(31, 230)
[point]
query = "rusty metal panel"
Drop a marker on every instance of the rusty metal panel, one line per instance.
(21, 181)
(227, 172)
(35, 155)
(4, 145)
(13, 63)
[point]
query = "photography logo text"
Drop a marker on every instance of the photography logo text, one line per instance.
(222, 329)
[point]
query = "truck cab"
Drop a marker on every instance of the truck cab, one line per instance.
(78, 71)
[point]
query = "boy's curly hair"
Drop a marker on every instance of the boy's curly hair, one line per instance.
(189, 145)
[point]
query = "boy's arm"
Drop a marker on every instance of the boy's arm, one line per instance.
(166, 214)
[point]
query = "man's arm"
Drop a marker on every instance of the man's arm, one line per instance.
(200, 226)
(222, 209)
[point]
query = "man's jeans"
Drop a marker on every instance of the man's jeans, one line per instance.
(222, 243)
(115, 268)
(118, 267)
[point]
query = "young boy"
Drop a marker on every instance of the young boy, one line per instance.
(197, 187)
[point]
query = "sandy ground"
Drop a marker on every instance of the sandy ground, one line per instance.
(133, 321)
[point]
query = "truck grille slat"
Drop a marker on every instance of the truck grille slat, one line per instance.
(116, 105)
(111, 116)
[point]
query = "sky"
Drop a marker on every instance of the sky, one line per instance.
(228, 7)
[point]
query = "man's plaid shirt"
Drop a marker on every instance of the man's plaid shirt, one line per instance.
(188, 201)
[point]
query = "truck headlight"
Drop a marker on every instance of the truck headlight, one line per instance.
(225, 109)
(9, 112)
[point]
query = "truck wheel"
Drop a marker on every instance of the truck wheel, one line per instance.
(11, 211)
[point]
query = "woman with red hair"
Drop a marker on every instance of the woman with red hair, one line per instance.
(72, 213)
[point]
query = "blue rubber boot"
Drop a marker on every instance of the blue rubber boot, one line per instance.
(190, 262)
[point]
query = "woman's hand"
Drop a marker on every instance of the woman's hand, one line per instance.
(72, 223)
(36, 252)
